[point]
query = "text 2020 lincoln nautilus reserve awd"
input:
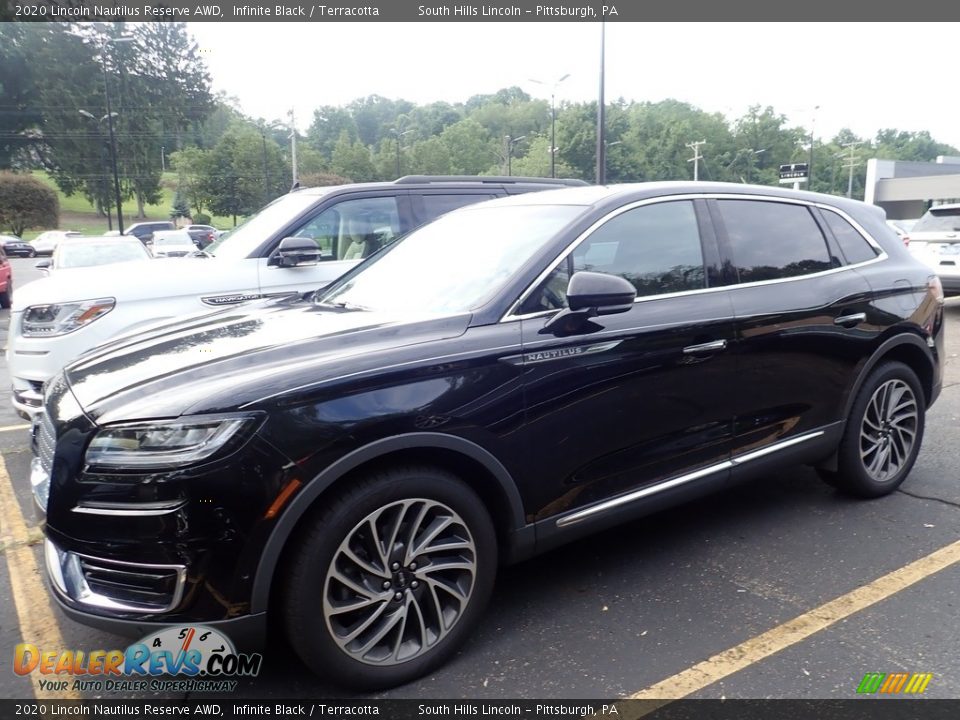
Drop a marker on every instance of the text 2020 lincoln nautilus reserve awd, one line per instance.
(505, 379)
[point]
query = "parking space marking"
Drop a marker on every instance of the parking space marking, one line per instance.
(8, 428)
(38, 624)
(799, 628)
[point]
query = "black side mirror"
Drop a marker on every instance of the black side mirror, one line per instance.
(295, 252)
(589, 295)
(44, 264)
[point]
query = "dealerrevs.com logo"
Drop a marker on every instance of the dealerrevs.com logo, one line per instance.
(901, 683)
(176, 659)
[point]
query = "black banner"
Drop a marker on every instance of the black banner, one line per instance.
(861, 709)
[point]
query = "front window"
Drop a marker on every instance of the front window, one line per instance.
(246, 237)
(454, 264)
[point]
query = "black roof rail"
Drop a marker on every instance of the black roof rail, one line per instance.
(499, 179)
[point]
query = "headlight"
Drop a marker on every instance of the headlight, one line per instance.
(164, 443)
(63, 318)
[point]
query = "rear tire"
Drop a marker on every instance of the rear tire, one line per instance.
(389, 577)
(883, 434)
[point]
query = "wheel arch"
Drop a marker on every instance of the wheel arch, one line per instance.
(476, 466)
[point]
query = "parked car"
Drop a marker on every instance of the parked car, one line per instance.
(902, 229)
(90, 251)
(13, 246)
(173, 243)
(300, 242)
(203, 235)
(145, 230)
(6, 281)
(501, 381)
(45, 243)
(935, 239)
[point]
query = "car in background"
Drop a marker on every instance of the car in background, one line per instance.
(145, 230)
(902, 229)
(6, 281)
(90, 251)
(45, 243)
(300, 242)
(172, 243)
(203, 235)
(13, 246)
(935, 239)
(504, 380)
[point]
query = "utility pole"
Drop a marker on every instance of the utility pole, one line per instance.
(851, 164)
(293, 149)
(601, 114)
(697, 157)
(813, 121)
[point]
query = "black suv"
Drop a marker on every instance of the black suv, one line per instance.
(501, 381)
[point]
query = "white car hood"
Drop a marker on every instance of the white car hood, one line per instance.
(139, 281)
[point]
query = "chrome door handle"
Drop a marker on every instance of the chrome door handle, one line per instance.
(714, 346)
(854, 319)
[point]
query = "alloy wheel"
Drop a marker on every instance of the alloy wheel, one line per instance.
(889, 429)
(399, 581)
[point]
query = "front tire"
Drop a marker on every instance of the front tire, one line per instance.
(883, 434)
(390, 577)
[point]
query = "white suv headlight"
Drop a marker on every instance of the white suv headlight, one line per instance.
(63, 318)
(163, 443)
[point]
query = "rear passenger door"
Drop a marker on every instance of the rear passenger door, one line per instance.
(801, 319)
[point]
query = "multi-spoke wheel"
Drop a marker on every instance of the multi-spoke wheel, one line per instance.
(390, 577)
(883, 433)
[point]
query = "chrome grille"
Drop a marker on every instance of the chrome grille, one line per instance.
(145, 587)
(45, 441)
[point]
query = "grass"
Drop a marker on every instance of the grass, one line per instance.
(78, 214)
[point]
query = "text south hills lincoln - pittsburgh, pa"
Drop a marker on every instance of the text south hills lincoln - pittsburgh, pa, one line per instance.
(541, 11)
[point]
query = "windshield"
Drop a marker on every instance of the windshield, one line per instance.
(169, 240)
(453, 264)
(245, 238)
(937, 220)
(74, 255)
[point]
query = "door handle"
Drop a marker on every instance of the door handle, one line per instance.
(850, 320)
(704, 348)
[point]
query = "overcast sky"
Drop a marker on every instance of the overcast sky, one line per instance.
(864, 76)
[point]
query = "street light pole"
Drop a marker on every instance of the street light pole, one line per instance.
(601, 113)
(511, 141)
(553, 122)
(813, 121)
(113, 140)
(109, 210)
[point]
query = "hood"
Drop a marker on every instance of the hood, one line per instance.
(233, 359)
(137, 280)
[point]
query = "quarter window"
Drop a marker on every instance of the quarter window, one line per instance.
(854, 246)
(772, 240)
(656, 247)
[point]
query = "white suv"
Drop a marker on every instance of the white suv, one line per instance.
(299, 242)
(935, 239)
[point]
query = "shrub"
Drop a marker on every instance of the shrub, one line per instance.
(201, 219)
(25, 202)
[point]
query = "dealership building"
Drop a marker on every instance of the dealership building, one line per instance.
(906, 189)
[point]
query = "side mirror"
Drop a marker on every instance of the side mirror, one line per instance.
(589, 295)
(295, 252)
(44, 265)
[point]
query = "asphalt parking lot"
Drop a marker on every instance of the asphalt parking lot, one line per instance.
(780, 588)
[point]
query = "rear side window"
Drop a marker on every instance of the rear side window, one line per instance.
(854, 246)
(939, 219)
(773, 240)
(436, 205)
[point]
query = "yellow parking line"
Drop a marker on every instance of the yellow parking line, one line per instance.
(800, 628)
(38, 625)
(8, 428)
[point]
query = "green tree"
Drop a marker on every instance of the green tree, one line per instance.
(352, 160)
(536, 163)
(19, 113)
(329, 124)
(193, 165)
(469, 146)
(26, 203)
(429, 157)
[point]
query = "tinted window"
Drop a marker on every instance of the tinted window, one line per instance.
(770, 240)
(939, 219)
(436, 205)
(655, 247)
(854, 246)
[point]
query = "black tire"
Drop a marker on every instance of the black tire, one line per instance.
(436, 609)
(6, 297)
(31, 253)
(883, 434)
